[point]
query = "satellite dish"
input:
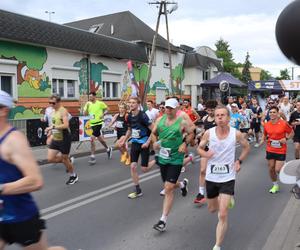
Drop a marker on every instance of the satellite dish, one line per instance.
(174, 7)
(224, 86)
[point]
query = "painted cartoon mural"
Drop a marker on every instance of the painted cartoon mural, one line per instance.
(159, 84)
(95, 76)
(178, 76)
(32, 82)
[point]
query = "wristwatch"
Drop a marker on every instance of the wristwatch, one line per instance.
(240, 161)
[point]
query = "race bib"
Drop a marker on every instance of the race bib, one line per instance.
(219, 169)
(136, 133)
(165, 153)
(275, 144)
(92, 117)
(119, 124)
(55, 131)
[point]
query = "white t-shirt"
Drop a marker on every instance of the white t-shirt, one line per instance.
(200, 107)
(286, 110)
(48, 115)
(152, 114)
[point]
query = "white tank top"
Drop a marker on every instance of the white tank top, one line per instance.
(220, 167)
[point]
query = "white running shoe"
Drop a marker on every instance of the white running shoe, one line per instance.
(162, 192)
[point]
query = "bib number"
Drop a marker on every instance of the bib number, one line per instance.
(92, 117)
(55, 131)
(219, 169)
(119, 124)
(275, 144)
(165, 153)
(136, 133)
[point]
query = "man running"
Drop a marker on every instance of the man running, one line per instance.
(151, 112)
(190, 111)
(20, 222)
(60, 145)
(208, 122)
(222, 167)
(139, 129)
(96, 110)
(256, 119)
(169, 130)
(276, 131)
(236, 120)
(295, 122)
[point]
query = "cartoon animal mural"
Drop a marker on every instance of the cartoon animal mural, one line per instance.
(159, 84)
(31, 81)
(95, 76)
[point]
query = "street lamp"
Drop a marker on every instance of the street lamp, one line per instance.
(50, 13)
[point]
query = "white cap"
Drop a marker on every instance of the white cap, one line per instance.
(233, 105)
(290, 172)
(172, 103)
(5, 99)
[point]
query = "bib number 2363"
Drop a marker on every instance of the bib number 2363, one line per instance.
(219, 169)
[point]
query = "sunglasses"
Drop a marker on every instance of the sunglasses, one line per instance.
(162, 107)
(53, 103)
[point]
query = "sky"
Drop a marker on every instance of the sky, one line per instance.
(248, 26)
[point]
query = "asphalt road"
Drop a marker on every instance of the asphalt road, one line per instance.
(95, 213)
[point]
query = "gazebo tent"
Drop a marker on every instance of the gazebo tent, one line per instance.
(223, 76)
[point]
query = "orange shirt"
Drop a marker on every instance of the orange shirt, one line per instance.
(275, 132)
(190, 114)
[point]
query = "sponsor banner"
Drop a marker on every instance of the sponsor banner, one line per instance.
(290, 85)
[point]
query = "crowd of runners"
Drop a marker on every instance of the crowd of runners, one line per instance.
(165, 136)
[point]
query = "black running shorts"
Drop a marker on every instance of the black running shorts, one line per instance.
(244, 130)
(97, 130)
(213, 189)
(170, 173)
(296, 138)
(274, 156)
(24, 233)
(255, 127)
(136, 150)
(63, 146)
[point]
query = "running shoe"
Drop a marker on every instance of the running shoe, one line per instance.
(296, 191)
(72, 180)
(256, 145)
(152, 152)
(231, 203)
(274, 189)
(184, 190)
(216, 248)
(92, 160)
(182, 169)
(135, 195)
(123, 157)
(160, 226)
(109, 152)
(162, 192)
(128, 161)
(200, 198)
(72, 159)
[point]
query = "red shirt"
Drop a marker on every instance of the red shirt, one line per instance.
(274, 133)
(190, 114)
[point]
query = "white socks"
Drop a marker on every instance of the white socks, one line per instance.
(275, 183)
(164, 218)
(201, 190)
(181, 184)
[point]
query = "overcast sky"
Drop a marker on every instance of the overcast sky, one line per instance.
(246, 25)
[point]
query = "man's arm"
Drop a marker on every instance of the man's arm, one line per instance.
(113, 120)
(245, 145)
(204, 140)
(86, 109)
(14, 150)
(196, 114)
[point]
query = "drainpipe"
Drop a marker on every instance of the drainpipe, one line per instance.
(88, 73)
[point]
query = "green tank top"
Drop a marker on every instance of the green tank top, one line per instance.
(170, 138)
(58, 134)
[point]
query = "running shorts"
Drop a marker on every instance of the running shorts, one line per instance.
(296, 138)
(170, 173)
(97, 130)
(63, 146)
(24, 233)
(255, 127)
(244, 130)
(136, 150)
(213, 189)
(274, 156)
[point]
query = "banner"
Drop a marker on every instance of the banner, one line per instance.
(277, 85)
(85, 130)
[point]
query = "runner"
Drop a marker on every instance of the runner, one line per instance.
(222, 167)
(121, 125)
(139, 128)
(20, 222)
(169, 129)
(208, 122)
(236, 120)
(285, 108)
(60, 145)
(190, 111)
(161, 109)
(47, 118)
(256, 119)
(96, 110)
(295, 122)
(151, 112)
(246, 114)
(276, 132)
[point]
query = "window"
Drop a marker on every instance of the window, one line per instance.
(206, 75)
(166, 60)
(95, 28)
(6, 84)
(65, 88)
(111, 90)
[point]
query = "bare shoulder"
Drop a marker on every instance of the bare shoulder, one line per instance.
(14, 142)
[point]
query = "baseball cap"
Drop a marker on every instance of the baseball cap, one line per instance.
(172, 103)
(5, 99)
(233, 105)
(290, 172)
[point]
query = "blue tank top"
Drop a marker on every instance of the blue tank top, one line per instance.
(14, 208)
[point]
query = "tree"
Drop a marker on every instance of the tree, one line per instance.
(265, 75)
(246, 77)
(178, 76)
(284, 75)
(223, 51)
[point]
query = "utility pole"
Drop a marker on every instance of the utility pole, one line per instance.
(50, 13)
(162, 5)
